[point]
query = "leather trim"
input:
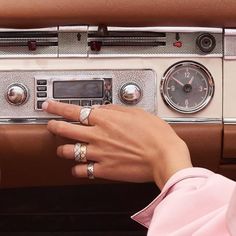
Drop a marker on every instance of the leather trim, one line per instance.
(28, 158)
(204, 142)
(41, 13)
(229, 150)
(228, 171)
(28, 154)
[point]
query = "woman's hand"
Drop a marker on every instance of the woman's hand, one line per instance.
(126, 144)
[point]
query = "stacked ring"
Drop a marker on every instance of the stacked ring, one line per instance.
(84, 115)
(90, 170)
(80, 150)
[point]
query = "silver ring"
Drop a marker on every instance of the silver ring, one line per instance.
(90, 170)
(84, 115)
(80, 150)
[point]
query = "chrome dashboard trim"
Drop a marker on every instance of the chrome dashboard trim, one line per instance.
(218, 55)
(162, 29)
(25, 30)
(229, 121)
(230, 32)
(80, 28)
(167, 119)
(193, 120)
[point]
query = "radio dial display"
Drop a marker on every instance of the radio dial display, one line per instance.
(78, 89)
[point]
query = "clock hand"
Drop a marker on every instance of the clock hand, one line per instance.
(180, 83)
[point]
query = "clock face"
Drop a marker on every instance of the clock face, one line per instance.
(187, 87)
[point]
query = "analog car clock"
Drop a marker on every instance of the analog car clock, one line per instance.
(187, 87)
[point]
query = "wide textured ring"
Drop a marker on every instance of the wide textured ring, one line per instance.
(90, 170)
(80, 150)
(84, 115)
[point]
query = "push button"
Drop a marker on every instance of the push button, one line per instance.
(65, 101)
(41, 94)
(42, 82)
(39, 104)
(75, 102)
(41, 88)
(85, 103)
(97, 102)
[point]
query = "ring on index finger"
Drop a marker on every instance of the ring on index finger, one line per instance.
(84, 115)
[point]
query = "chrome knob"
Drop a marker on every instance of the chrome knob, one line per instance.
(130, 94)
(17, 94)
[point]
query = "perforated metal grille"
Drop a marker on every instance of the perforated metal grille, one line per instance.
(72, 44)
(145, 79)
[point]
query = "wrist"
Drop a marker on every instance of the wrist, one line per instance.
(170, 161)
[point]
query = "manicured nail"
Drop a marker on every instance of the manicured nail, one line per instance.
(45, 105)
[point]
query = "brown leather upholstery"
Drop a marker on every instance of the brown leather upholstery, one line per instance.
(204, 142)
(229, 150)
(28, 158)
(28, 154)
(41, 13)
(228, 170)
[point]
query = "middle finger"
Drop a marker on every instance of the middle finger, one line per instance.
(72, 131)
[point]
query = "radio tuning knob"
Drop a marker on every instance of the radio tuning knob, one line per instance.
(17, 94)
(130, 94)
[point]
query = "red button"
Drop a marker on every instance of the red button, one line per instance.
(32, 45)
(177, 44)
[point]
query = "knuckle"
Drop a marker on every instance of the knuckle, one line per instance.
(60, 128)
(68, 112)
(63, 150)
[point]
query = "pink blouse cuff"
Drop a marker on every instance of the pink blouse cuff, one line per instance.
(144, 216)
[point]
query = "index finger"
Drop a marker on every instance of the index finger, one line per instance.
(68, 111)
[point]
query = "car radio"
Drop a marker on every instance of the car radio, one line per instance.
(24, 92)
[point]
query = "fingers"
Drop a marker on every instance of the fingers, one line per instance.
(67, 151)
(71, 131)
(68, 111)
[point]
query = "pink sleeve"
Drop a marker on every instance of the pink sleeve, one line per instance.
(194, 201)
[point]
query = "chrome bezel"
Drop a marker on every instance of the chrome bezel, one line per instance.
(23, 87)
(210, 82)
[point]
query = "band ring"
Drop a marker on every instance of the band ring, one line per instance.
(80, 150)
(90, 170)
(84, 115)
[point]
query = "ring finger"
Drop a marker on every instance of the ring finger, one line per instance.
(68, 151)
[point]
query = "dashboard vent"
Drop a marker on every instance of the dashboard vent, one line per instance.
(28, 43)
(124, 37)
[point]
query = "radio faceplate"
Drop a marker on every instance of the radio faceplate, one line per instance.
(78, 90)
(75, 87)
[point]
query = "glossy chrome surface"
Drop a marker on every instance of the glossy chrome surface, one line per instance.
(187, 87)
(17, 94)
(130, 94)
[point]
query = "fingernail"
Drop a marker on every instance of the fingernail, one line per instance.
(45, 105)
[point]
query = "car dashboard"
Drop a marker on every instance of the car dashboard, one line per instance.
(179, 67)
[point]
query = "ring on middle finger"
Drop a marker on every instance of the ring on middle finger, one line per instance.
(80, 150)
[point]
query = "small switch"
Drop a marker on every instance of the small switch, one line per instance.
(85, 103)
(32, 45)
(39, 104)
(41, 94)
(42, 82)
(41, 88)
